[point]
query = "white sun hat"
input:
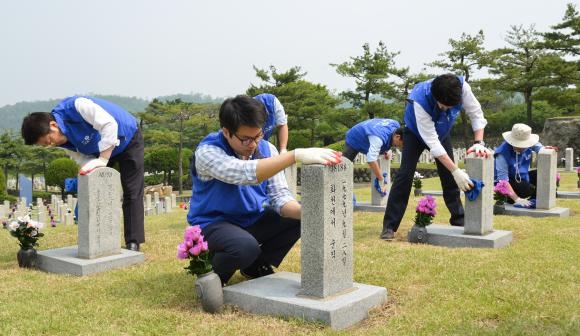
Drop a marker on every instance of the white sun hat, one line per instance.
(521, 136)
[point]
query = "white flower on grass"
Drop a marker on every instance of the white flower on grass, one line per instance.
(13, 225)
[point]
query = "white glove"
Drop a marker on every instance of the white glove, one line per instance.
(479, 150)
(462, 179)
(92, 165)
(522, 202)
(313, 155)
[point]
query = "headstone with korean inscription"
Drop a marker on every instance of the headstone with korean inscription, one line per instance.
(327, 233)
(324, 291)
(99, 219)
(99, 236)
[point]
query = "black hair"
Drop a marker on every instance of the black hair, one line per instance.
(447, 89)
(242, 110)
(35, 125)
(399, 131)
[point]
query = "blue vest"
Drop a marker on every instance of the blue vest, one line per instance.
(268, 100)
(443, 120)
(523, 161)
(214, 201)
(358, 136)
(81, 135)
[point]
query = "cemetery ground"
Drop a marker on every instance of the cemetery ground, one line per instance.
(531, 287)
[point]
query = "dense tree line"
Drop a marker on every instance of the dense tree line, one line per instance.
(534, 77)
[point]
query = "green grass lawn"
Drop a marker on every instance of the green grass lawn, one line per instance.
(531, 287)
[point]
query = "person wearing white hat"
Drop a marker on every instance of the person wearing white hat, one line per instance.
(512, 163)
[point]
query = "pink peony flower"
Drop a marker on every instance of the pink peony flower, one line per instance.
(196, 249)
(182, 251)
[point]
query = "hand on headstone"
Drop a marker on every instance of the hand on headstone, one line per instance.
(479, 150)
(379, 188)
(462, 179)
(313, 155)
(92, 165)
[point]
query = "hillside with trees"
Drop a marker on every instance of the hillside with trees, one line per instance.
(535, 76)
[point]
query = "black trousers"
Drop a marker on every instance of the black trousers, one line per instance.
(525, 189)
(131, 167)
(401, 188)
(264, 243)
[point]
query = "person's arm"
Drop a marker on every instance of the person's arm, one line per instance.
(80, 158)
(292, 209)
(283, 138)
(427, 131)
(279, 194)
(473, 110)
(214, 162)
(101, 121)
(501, 168)
(373, 160)
(282, 124)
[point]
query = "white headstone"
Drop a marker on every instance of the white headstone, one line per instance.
(99, 213)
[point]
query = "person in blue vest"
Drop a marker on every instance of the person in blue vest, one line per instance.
(97, 133)
(431, 110)
(240, 197)
(276, 119)
(512, 159)
(373, 137)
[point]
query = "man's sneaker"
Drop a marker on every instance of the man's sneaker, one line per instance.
(388, 234)
(256, 272)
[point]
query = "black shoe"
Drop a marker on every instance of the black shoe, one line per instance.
(256, 272)
(132, 246)
(387, 234)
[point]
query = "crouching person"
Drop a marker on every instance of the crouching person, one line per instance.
(239, 195)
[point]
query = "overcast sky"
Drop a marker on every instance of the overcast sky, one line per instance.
(148, 48)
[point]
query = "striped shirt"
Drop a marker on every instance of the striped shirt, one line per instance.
(212, 162)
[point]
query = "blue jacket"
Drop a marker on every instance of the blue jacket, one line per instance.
(358, 136)
(443, 120)
(215, 201)
(81, 135)
(268, 100)
(521, 162)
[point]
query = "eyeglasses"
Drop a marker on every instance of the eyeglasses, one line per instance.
(248, 140)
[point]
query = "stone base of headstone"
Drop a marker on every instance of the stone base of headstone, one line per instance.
(65, 260)
(511, 210)
(362, 206)
(278, 295)
(567, 194)
(454, 236)
(433, 192)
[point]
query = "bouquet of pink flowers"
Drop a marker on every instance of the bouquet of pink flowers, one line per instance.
(558, 177)
(195, 248)
(425, 211)
(501, 192)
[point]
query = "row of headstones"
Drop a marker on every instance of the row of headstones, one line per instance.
(58, 211)
(425, 157)
(545, 198)
(54, 212)
(157, 205)
(459, 156)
